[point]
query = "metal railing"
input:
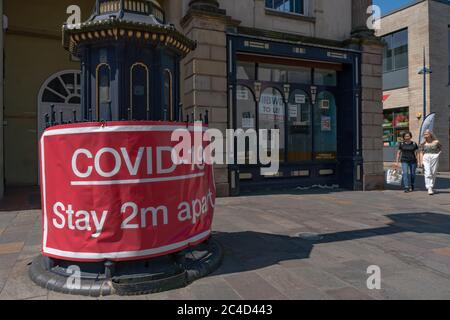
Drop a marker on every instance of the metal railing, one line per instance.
(53, 119)
(140, 6)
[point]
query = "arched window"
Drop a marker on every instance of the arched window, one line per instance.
(139, 92)
(169, 112)
(299, 127)
(63, 91)
(103, 88)
(325, 127)
(271, 115)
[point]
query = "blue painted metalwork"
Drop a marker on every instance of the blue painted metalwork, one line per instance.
(126, 51)
(347, 168)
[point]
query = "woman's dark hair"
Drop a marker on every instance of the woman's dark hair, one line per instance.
(407, 133)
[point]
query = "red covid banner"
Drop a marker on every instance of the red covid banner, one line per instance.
(114, 192)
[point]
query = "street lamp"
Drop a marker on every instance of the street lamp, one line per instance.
(424, 71)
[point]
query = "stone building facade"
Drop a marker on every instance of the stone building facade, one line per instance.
(314, 59)
(426, 33)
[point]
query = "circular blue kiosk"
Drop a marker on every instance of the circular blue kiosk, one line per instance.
(130, 70)
(129, 61)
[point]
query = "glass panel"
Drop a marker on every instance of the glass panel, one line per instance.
(299, 127)
(168, 97)
(75, 100)
(279, 4)
(387, 57)
(245, 70)
(246, 115)
(325, 127)
(400, 40)
(395, 123)
(299, 75)
(49, 96)
(395, 55)
(58, 86)
(69, 81)
(103, 98)
(323, 77)
(139, 87)
(271, 114)
(296, 6)
(272, 73)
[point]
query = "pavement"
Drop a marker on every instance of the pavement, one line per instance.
(293, 244)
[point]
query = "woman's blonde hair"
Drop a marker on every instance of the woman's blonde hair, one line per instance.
(432, 136)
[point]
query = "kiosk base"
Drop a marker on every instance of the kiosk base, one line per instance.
(128, 277)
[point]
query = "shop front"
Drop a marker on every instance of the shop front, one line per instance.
(395, 124)
(312, 99)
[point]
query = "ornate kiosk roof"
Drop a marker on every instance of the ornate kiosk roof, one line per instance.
(142, 20)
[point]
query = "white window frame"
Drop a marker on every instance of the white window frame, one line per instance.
(305, 9)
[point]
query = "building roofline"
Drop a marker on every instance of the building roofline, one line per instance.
(406, 6)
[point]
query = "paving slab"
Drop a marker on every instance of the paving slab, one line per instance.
(289, 245)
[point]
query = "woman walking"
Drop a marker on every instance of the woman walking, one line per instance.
(408, 155)
(430, 150)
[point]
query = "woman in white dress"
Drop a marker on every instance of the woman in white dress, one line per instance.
(430, 151)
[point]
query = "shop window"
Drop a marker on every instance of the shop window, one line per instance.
(299, 127)
(246, 70)
(299, 75)
(103, 85)
(323, 77)
(271, 115)
(395, 60)
(325, 127)
(140, 101)
(395, 123)
(246, 117)
(169, 112)
(293, 6)
(272, 73)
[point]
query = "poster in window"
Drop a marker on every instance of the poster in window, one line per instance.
(242, 95)
(325, 123)
(248, 121)
(325, 104)
(271, 104)
(300, 98)
(293, 111)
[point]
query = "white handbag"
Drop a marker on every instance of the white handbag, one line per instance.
(394, 177)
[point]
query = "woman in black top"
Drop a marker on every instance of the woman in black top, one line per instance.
(408, 155)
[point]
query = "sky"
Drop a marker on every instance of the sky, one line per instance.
(389, 5)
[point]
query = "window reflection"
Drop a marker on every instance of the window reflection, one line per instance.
(246, 117)
(271, 115)
(140, 104)
(246, 70)
(272, 73)
(169, 113)
(325, 127)
(324, 77)
(103, 77)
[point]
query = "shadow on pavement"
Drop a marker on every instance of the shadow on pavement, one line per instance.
(247, 251)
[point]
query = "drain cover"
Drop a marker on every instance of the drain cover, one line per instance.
(309, 236)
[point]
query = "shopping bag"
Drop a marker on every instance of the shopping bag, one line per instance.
(394, 177)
